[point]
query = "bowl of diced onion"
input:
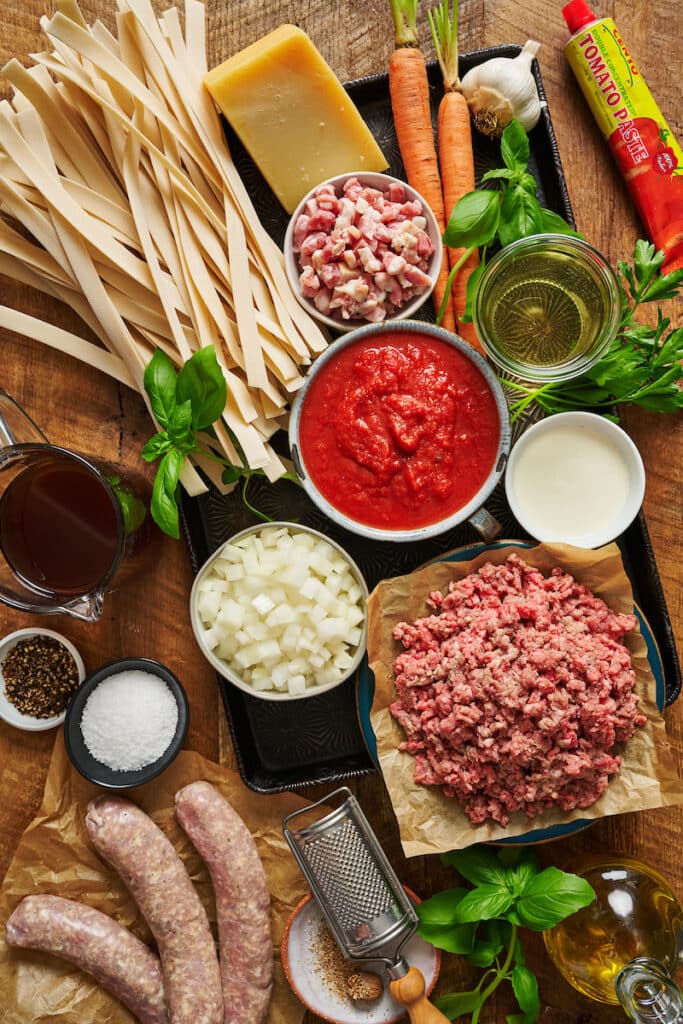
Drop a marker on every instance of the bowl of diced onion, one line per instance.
(280, 611)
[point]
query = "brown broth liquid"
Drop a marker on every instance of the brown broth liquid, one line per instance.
(58, 527)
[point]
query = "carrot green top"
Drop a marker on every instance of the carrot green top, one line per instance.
(404, 13)
(444, 28)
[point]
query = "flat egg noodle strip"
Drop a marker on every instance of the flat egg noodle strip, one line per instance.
(65, 341)
(19, 248)
(58, 198)
(72, 58)
(82, 155)
(241, 292)
(131, 177)
(71, 10)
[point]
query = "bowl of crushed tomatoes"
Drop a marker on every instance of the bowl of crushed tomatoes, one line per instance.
(400, 432)
(362, 248)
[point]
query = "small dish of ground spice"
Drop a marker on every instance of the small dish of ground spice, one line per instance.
(344, 991)
(40, 671)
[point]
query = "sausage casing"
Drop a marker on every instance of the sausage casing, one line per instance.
(131, 842)
(97, 944)
(227, 847)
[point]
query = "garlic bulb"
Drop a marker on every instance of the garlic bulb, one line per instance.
(503, 88)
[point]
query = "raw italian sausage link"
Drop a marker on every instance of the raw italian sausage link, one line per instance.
(242, 899)
(97, 944)
(126, 837)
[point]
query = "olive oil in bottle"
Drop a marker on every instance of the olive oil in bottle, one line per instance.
(635, 914)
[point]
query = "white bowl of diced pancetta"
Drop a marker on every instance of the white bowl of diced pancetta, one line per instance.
(280, 611)
(362, 248)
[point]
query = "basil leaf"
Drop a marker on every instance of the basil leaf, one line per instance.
(230, 475)
(456, 1004)
(525, 987)
(201, 382)
(550, 897)
(552, 222)
(440, 909)
(156, 446)
(132, 508)
(484, 902)
(164, 507)
(455, 938)
(474, 220)
(528, 183)
(520, 215)
(477, 864)
(483, 954)
(160, 384)
(517, 878)
(180, 422)
(498, 173)
(514, 147)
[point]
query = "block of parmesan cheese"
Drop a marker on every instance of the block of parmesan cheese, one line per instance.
(292, 114)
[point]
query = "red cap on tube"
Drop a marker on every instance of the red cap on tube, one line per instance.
(577, 13)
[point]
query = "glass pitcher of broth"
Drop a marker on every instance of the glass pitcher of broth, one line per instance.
(69, 528)
(624, 947)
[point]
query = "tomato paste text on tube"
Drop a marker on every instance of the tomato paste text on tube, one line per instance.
(649, 157)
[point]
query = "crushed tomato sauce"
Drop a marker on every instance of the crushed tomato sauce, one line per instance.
(399, 431)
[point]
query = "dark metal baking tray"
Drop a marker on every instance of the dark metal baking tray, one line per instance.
(318, 740)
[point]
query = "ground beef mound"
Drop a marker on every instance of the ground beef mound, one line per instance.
(514, 694)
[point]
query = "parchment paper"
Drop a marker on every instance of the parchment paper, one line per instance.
(55, 856)
(430, 822)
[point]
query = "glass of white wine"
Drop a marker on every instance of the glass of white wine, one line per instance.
(547, 307)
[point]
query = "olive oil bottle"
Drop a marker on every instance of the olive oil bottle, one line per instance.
(635, 915)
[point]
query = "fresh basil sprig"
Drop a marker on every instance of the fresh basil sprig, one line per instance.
(184, 403)
(643, 364)
(509, 891)
(508, 211)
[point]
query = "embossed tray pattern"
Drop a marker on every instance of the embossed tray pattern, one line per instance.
(318, 740)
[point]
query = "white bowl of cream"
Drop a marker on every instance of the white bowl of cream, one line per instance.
(575, 478)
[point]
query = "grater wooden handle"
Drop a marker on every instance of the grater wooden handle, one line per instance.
(410, 992)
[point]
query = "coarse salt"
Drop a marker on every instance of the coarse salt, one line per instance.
(129, 720)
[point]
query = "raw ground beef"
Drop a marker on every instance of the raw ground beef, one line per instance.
(514, 694)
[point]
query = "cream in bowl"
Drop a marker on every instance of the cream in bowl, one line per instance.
(400, 431)
(362, 247)
(575, 478)
(281, 612)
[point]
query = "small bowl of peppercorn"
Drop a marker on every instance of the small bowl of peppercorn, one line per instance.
(40, 670)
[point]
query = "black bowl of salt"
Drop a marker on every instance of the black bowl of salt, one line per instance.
(126, 723)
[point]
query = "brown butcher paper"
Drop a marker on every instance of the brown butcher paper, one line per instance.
(430, 822)
(55, 856)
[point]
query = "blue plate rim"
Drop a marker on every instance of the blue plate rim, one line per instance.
(366, 687)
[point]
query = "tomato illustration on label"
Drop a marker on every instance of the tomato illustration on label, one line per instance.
(666, 161)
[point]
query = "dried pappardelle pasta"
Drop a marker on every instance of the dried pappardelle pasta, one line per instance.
(113, 160)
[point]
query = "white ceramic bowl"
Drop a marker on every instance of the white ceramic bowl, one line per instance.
(225, 669)
(8, 712)
(579, 506)
(373, 180)
(307, 980)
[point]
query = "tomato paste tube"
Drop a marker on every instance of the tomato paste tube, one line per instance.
(648, 155)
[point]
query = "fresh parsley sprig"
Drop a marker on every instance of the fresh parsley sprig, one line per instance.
(499, 215)
(509, 891)
(187, 403)
(643, 364)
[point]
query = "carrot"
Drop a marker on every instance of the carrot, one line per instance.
(409, 90)
(456, 159)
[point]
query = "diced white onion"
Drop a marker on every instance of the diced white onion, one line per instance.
(283, 609)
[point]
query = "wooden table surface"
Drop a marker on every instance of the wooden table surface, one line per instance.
(78, 407)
